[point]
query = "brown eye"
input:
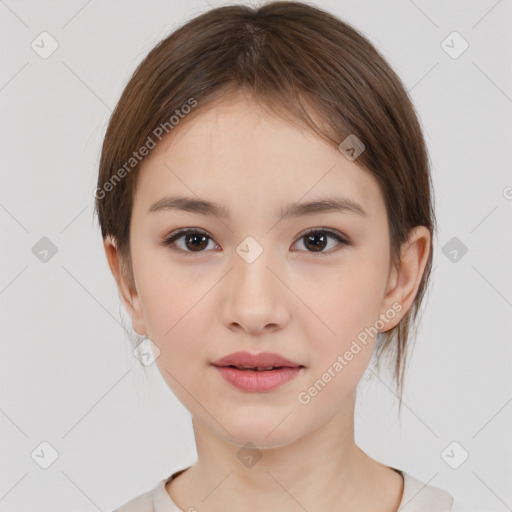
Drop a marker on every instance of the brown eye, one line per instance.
(317, 240)
(193, 241)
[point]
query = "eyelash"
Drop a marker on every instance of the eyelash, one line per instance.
(169, 241)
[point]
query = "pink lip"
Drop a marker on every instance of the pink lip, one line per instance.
(263, 359)
(256, 380)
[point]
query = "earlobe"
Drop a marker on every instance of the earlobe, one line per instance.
(127, 292)
(135, 311)
(404, 282)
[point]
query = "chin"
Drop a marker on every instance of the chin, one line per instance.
(258, 442)
(263, 434)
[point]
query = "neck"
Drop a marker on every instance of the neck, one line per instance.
(320, 470)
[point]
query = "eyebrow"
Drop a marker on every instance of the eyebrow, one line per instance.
(210, 208)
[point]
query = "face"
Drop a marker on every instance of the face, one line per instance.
(305, 285)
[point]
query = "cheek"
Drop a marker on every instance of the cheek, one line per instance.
(175, 315)
(343, 307)
(176, 321)
(169, 294)
(339, 358)
(177, 309)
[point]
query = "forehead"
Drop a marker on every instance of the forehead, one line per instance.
(237, 152)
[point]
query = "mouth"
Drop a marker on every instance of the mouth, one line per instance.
(256, 368)
(257, 372)
(264, 361)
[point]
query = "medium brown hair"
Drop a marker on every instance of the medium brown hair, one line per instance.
(309, 67)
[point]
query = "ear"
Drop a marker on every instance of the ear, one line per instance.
(404, 282)
(126, 285)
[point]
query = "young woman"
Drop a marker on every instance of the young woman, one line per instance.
(265, 202)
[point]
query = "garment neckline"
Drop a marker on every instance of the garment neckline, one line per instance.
(161, 496)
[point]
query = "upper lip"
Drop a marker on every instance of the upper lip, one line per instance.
(261, 360)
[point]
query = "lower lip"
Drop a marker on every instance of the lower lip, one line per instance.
(255, 381)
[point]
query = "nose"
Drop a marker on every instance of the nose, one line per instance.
(254, 297)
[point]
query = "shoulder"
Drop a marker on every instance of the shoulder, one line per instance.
(420, 497)
(142, 503)
(155, 500)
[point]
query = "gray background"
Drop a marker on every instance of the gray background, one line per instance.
(67, 374)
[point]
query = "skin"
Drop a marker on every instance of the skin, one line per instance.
(306, 306)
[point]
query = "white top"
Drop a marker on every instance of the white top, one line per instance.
(416, 497)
